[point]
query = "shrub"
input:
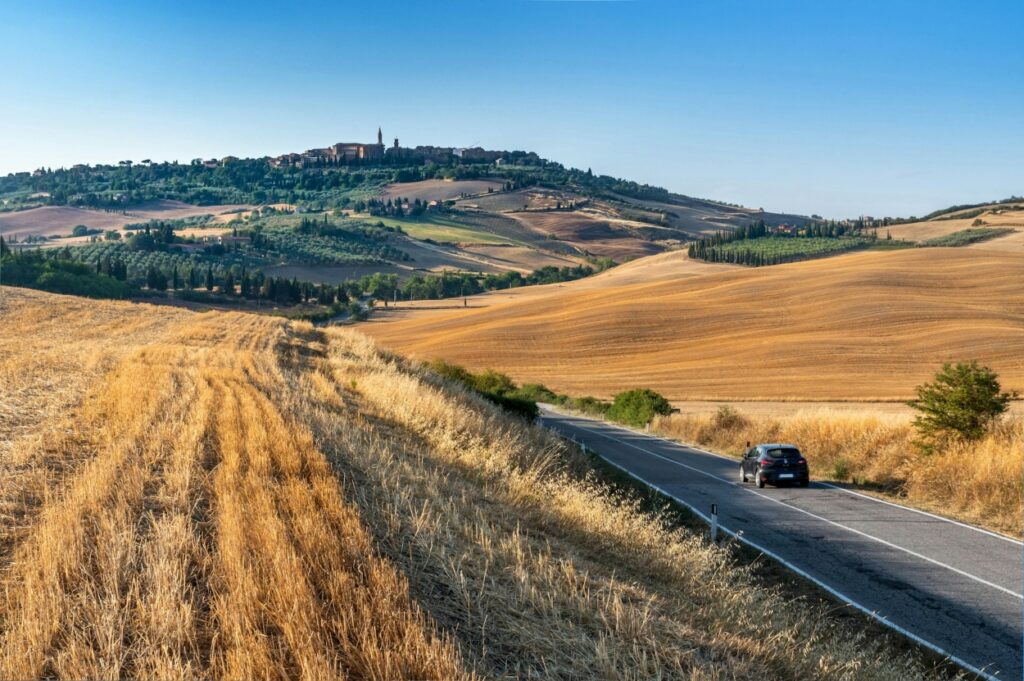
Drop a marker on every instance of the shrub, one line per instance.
(495, 386)
(494, 383)
(963, 401)
(637, 407)
(453, 372)
(537, 393)
(727, 418)
(516, 405)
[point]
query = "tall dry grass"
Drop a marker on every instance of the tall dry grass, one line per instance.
(539, 572)
(201, 532)
(981, 482)
(230, 496)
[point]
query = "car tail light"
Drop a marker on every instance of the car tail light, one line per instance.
(801, 461)
(765, 462)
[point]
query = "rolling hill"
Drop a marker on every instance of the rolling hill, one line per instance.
(864, 326)
(225, 495)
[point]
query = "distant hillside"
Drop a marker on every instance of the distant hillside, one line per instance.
(866, 326)
(388, 226)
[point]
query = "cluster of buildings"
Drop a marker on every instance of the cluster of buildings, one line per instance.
(344, 153)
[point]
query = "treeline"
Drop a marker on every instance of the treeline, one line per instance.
(453, 284)
(32, 269)
(397, 207)
(635, 407)
(714, 248)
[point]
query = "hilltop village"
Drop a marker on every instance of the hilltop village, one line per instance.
(376, 153)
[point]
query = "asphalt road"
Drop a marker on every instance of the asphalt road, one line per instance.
(953, 587)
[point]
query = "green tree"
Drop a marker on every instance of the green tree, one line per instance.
(637, 407)
(961, 402)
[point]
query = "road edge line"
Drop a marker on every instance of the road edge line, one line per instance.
(689, 445)
(774, 556)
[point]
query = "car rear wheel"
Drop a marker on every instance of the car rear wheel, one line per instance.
(760, 480)
(805, 483)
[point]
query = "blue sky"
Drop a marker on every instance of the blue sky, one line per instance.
(837, 108)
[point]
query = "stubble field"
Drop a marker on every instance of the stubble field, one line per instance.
(219, 495)
(863, 327)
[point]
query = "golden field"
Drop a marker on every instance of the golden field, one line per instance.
(866, 326)
(192, 496)
(995, 217)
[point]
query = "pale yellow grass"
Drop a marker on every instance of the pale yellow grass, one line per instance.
(202, 534)
(241, 497)
(980, 482)
(863, 326)
(930, 229)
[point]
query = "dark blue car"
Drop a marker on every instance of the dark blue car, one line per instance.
(775, 464)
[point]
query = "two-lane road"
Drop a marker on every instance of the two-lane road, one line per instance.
(953, 587)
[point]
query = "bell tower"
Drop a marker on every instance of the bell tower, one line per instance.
(380, 137)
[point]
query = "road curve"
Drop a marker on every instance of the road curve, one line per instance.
(953, 587)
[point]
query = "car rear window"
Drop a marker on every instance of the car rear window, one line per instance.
(784, 453)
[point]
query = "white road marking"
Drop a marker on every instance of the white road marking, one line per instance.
(808, 513)
(695, 448)
(841, 596)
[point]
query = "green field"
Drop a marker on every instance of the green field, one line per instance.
(793, 248)
(968, 236)
(444, 230)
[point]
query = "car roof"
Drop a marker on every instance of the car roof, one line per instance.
(776, 445)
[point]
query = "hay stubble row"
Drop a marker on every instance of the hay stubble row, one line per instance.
(234, 496)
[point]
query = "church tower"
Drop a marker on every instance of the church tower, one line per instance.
(380, 137)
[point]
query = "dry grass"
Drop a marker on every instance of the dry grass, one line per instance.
(240, 497)
(864, 326)
(589, 233)
(438, 190)
(192, 529)
(60, 220)
(931, 229)
(877, 451)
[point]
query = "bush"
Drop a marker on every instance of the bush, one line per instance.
(537, 393)
(637, 407)
(963, 401)
(727, 418)
(357, 312)
(494, 383)
(517, 405)
(495, 386)
(452, 372)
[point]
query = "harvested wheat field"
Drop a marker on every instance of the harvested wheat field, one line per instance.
(191, 496)
(921, 231)
(864, 326)
(438, 190)
(60, 220)
(589, 233)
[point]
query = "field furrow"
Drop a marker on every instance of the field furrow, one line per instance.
(233, 496)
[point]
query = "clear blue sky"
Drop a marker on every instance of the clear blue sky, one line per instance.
(837, 108)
